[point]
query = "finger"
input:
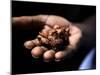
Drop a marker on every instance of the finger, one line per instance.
(61, 55)
(49, 55)
(32, 43)
(38, 51)
(29, 44)
(22, 20)
(29, 21)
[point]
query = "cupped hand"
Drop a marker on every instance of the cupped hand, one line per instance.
(48, 22)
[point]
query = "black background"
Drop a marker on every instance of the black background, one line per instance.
(22, 61)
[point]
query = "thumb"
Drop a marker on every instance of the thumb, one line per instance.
(29, 21)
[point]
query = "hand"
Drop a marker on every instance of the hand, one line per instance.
(39, 21)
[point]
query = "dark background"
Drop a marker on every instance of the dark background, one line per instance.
(22, 61)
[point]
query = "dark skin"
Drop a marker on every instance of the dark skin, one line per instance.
(76, 30)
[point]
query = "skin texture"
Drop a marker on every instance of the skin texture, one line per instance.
(39, 21)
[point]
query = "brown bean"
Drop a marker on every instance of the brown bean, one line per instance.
(48, 28)
(44, 40)
(56, 27)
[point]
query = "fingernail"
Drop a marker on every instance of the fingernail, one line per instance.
(57, 60)
(35, 56)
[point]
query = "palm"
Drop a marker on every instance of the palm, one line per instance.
(42, 20)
